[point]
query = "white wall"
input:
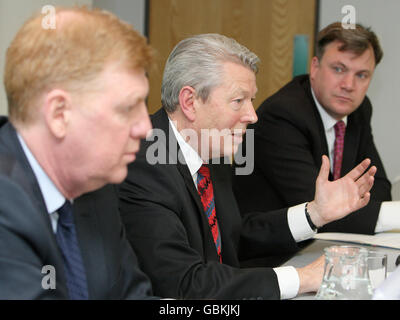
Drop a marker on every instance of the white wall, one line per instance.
(382, 17)
(131, 11)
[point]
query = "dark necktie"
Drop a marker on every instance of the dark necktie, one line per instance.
(340, 129)
(68, 243)
(206, 192)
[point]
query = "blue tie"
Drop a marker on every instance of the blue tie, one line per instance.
(68, 243)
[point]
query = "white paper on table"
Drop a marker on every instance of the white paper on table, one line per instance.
(389, 289)
(388, 240)
(377, 277)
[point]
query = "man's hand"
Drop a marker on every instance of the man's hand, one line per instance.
(311, 275)
(336, 199)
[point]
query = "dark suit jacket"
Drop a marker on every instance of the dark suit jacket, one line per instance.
(289, 143)
(167, 227)
(27, 240)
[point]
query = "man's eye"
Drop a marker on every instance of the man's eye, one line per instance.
(362, 76)
(237, 103)
(338, 69)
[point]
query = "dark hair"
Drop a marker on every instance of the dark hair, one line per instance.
(356, 40)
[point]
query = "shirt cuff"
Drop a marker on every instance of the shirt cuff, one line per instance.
(389, 217)
(298, 224)
(289, 281)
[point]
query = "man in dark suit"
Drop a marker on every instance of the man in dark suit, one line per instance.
(77, 115)
(177, 203)
(300, 123)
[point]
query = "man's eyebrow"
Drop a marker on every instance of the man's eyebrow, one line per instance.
(364, 71)
(241, 91)
(339, 63)
(347, 68)
(129, 100)
(133, 98)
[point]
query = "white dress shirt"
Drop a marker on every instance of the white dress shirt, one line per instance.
(388, 218)
(288, 277)
(53, 198)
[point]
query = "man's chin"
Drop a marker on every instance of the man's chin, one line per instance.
(130, 157)
(119, 175)
(340, 109)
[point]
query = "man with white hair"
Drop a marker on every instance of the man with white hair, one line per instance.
(177, 203)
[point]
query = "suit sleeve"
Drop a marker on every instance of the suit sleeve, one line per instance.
(151, 208)
(381, 191)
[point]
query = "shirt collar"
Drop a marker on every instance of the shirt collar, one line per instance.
(53, 198)
(327, 120)
(192, 158)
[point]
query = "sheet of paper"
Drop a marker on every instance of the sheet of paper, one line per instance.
(389, 239)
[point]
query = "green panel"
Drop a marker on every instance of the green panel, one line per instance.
(300, 54)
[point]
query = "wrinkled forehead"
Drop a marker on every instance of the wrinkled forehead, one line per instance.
(237, 79)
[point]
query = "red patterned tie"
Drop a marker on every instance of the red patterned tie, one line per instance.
(206, 192)
(340, 129)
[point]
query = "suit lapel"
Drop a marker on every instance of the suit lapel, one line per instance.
(319, 132)
(160, 120)
(86, 223)
(11, 142)
(208, 241)
(187, 178)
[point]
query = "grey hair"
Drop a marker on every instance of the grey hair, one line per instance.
(197, 62)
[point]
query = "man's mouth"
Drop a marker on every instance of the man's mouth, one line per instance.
(343, 98)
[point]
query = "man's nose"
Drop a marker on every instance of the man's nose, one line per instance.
(348, 82)
(142, 126)
(249, 115)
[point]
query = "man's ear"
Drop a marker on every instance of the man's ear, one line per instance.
(314, 66)
(57, 112)
(187, 97)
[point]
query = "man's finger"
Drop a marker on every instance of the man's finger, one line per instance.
(325, 167)
(370, 173)
(365, 178)
(359, 170)
(363, 201)
(366, 185)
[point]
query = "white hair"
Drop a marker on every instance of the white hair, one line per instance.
(197, 62)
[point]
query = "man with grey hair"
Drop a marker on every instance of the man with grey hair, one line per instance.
(180, 213)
